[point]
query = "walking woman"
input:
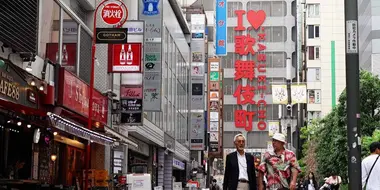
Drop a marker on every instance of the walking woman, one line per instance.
(310, 183)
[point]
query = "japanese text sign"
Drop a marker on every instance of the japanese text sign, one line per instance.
(76, 95)
(221, 27)
(253, 70)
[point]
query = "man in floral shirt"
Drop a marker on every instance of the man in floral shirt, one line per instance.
(280, 167)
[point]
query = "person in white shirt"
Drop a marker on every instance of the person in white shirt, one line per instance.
(373, 178)
(240, 168)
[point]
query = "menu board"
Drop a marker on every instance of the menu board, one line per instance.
(44, 163)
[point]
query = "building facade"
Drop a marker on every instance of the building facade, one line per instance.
(280, 39)
(159, 145)
(325, 56)
(369, 51)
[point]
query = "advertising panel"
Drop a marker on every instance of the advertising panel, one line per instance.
(76, 97)
(251, 94)
(125, 58)
(197, 72)
(221, 27)
(151, 12)
(214, 107)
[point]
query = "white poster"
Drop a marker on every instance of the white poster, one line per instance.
(214, 116)
(214, 126)
(197, 70)
(274, 127)
(279, 94)
(214, 66)
(299, 93)
(214, 137)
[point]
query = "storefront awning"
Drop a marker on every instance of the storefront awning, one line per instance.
(79, 131)
(120, 136)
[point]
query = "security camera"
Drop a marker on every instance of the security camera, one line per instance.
(288, 107)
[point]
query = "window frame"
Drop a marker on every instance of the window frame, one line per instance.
(313, 7)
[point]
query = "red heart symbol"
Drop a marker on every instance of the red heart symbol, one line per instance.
(256, 19)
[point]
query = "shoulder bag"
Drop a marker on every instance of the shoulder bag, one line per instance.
(369, 174)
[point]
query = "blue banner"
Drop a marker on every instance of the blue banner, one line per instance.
(221, 28)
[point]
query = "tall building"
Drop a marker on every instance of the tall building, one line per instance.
(154, 139)
(280, 31)
(325, 55)
(369, 50)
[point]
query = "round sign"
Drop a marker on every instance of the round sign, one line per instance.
(112, 13)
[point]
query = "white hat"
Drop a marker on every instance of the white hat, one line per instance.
(279, 137)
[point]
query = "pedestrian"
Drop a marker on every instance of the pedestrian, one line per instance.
(280, 166)
(310, 183)
(300, 183)
(214, 186)
(371, 168)
(240, 168)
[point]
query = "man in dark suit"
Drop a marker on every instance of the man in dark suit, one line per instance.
(240, 168)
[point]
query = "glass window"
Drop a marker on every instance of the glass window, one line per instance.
(313, 31)
(227, 86)
(165, 112)
(311, 52)
(49, 40)
(232, 33)
(278, 8)
(317, 51)
(316, 31)
(229, 60)
(279, 34)
(69, 40)
(253, 5)
(313, 75)
(314, 96)
(229, 111)
(313, 10)
(232, 7)
(266, 7)
(279, 59)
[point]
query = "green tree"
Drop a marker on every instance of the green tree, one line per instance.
(330, 137)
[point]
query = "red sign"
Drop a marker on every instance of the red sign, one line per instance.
(244, 45)
(69, 54)
(113, 13)
(122, 179)
(75, 94)
(125, 58)
(131, 92)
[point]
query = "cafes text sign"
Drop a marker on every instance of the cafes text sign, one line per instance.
(75, 96)
(253, 45)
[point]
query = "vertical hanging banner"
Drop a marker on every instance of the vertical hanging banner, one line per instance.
(299, 93)
(274, 127)
(197, 72)
(221, 28)
(150, 11)
(214, 106)
(280, 94)
(251, 69)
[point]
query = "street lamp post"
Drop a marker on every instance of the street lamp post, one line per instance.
(92, 78)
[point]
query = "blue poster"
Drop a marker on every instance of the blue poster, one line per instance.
(151, 7)
(221, 27)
